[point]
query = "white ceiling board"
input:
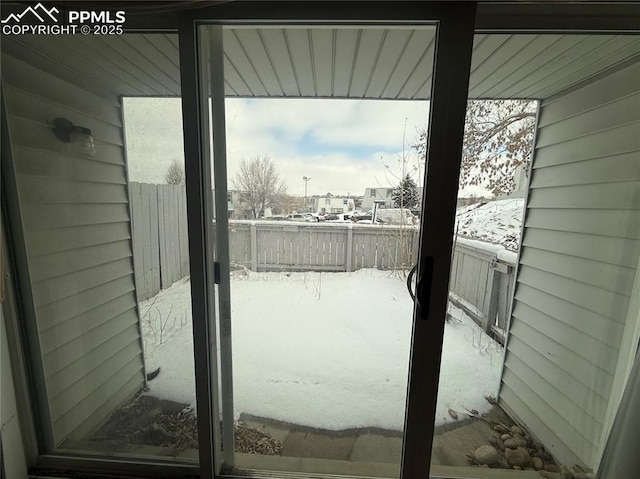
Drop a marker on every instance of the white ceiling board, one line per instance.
(341, 62)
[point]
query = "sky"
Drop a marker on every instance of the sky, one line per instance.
(342, 145)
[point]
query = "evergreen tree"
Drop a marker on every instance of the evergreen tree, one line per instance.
(405, 195)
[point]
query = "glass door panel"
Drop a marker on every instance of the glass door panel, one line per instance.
(99, 225)
(542, 325)
(320, 209)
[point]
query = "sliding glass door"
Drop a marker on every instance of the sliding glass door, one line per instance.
(319, 201)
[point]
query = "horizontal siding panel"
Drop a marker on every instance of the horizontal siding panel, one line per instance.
(392, 50)
(322, 48)
(106, 65)
(364, 63)
(595, 299)
(83, 302)
(622, 195)
(607, 223)
(87, 416)
(23, 76)
(517, 408)
(251, 45)
(573, 315)
(58, 288)
(565, 381)
(531, 58)
(552, 403)
(530, 362)
(162, 52)
(498, 64)
(571, 440)
(610, 53)
(602, 275)
(582, 342)
(36, 190)
(279, 53)
(73, 328)
(45, 242)
(618, 113)
(42, 110)
(85, 365)
(421, 40)
(46, 217)
(233, 49)
(565, 59)
(594, 376)
(606, 90)
(54, 165)
(90, 355)
(130, 59)
(610, 142)
(625, 167)
(615, 251)
(57, 265)
(30, 134)
(73, 385)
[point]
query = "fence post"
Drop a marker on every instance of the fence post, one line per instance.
(349, 258)
(491, 296)
(254, 247)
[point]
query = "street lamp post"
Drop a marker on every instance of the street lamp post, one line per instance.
(306, 180)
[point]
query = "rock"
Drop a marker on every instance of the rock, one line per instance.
(537, 463)
(505, 437)
(517, 457)
(511, 443)
(522, 442)
(501, 428)
(453, 414)
(552, 468)
(486, 455)
(517, 430)
(537, 445)
(493, 440)
(545, 456)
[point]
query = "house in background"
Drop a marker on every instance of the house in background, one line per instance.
(382, 195)
(238, 206)
(330, 204)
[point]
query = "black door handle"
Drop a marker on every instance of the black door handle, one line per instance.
(422, 296)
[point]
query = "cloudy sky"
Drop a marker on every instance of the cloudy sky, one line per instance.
(342, 145)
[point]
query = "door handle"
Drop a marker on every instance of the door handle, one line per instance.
(422, 296)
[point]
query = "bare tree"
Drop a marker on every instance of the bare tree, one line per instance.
(498, 138)
(259, 184)
(175, 173)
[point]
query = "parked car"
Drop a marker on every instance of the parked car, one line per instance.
(310, 217)
(296, 217)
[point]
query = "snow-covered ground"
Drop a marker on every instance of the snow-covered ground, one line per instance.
(497, 222)
(326, 350)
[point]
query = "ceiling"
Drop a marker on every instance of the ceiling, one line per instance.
(327, 62)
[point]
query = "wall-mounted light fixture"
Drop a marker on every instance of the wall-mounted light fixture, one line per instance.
(79, 138)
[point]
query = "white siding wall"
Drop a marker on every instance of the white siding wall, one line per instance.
(580, 251)
(75, 216)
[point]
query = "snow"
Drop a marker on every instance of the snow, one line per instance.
(496, 222)
(325, 350)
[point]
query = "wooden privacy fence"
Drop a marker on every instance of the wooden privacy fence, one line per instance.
(160, 241)
(275, 246)
(480, 284)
